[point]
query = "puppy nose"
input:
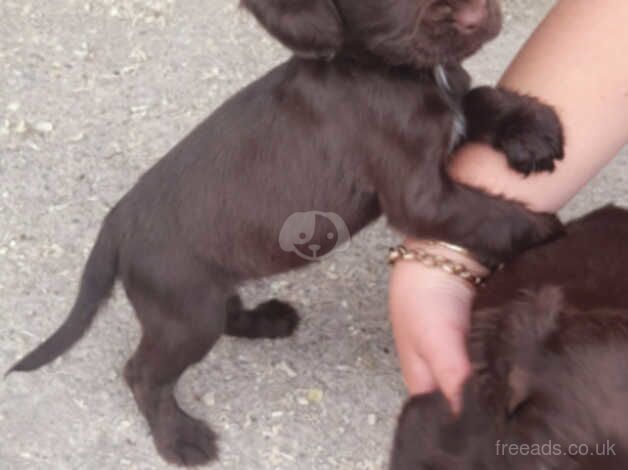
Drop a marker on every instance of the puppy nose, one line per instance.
(471, 16)
(314, 248)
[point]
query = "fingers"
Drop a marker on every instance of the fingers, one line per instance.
(430, 315)
(442, 364)
(446, 356)
(416, 373)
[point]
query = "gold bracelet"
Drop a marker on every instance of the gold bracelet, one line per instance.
(455, 248)
(401, 253)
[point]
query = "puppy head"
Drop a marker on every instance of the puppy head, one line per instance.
(547, 393)
(430, 437)
(419, 33)
(420, 433)
(500, 399)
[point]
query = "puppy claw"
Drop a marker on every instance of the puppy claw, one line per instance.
(532, 140)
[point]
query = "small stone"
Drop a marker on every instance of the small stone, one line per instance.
(54, 251)
(13, 106)
(209, 399)
(20, 127)
(372, 419)
(315, 395)
(124, 425)
(83, 52)
(76, 137)
(276, 286)
(80, 403)
(44, 127)
(138, 54)
(140, 109)
(285, 367)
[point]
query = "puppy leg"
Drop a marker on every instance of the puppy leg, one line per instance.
(180, 324)
(526, 130)
(272, 319)
(494, 229)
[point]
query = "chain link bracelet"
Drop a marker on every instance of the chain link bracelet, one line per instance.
(431, 260)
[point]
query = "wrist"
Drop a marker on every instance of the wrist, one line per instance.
(436, 266)
(457, 256)
(433, 286)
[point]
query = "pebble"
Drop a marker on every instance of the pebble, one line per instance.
(20, 127)
(124, 425)
(76, 137)
(44, 127)
(285, 367)
(209, 399)
(315, 395)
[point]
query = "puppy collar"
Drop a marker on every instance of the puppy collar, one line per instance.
(459, 127)
(441, 78)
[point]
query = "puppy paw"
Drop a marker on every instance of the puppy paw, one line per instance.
(531, 137)
(272, 319)
(185, 441)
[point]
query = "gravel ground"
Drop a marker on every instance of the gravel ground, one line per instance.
(91, 94)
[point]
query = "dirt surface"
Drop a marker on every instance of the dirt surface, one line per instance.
(91, 94)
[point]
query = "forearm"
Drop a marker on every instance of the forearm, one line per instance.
(577, 62)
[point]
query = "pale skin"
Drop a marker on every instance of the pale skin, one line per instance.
(576, 61)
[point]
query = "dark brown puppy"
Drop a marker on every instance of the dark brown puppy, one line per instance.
(359, 122)
(550, 376)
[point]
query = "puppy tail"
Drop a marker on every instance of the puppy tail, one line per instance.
(97, 282)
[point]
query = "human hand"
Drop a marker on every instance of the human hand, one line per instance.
(430, 315)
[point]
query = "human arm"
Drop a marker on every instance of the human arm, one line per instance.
(576, 62)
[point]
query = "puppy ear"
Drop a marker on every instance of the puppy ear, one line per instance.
(419, 436)
(531, 322)
(311, 28)
(519, 388)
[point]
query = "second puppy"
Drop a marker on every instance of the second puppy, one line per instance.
(550, 385)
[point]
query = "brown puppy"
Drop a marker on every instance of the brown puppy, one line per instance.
(358, 123)
(550, 387)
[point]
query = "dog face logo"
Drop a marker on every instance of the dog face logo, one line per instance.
(313, 235)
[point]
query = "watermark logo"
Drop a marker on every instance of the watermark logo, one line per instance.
(550, 448)
(314, 235)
